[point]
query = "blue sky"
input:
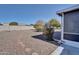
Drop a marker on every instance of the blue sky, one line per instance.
(30, 13)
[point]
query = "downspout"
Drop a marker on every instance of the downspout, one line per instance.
(62, 27)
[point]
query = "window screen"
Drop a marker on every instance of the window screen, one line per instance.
(71, 22)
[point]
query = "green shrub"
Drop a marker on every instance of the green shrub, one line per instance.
(39, 26)
(54, 23)
(13, 23)
(1, 24)
(48, 32)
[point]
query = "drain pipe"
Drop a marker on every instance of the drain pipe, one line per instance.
(62, 29)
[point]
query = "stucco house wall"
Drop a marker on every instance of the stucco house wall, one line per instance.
(70, 23)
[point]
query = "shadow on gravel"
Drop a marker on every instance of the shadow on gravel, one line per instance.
(41, 37)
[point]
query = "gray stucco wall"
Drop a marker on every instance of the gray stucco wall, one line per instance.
(71, 25)
(71, 22)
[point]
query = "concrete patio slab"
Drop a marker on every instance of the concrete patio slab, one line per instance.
(58, 51)
(70, 48)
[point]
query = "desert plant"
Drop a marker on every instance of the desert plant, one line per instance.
(39, 25)
(13, 23)
(31, 24)
(48, 32)
(54, 23)
(1, 24)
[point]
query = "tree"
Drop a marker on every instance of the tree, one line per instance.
(31, 24)
(13, 23)
(39, 25)
(54, 23)
(1, 24)
(48, 32)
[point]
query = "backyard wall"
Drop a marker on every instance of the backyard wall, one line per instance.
(7, 28)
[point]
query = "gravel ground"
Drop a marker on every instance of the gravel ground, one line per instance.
(22, 43)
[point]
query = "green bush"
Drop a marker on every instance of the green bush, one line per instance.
(48, 32)
(54, 23)
(1, 24)
(39, 26)
(13, 23)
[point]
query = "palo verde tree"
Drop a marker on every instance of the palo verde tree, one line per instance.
(54, 23)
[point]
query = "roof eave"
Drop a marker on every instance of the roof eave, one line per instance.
(67, 10)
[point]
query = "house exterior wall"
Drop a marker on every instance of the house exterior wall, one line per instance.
(71, 22)
(71, 25)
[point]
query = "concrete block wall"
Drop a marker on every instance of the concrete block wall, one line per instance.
(10, 28)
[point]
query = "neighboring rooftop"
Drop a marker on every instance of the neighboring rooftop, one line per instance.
(76, 7)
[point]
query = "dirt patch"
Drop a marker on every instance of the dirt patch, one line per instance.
(22, 43)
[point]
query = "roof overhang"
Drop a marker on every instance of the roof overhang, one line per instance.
(67, 10)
